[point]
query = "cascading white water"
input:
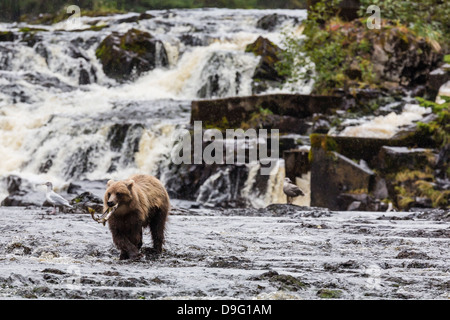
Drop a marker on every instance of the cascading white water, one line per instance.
(54, 128)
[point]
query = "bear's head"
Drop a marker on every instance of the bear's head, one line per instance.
(118, 193)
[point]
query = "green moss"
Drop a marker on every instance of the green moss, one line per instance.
(323, 141)
(439, 198)
(28, 29)
(329, 294)
(409, 184)
(408, 175)
(447, 58)
(438, 130)
(288, 282)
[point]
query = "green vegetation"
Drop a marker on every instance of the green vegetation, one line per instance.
(412, 184)
(13, 10)
(338, 54)
(429, 19)
(439, 129)
(329, 294)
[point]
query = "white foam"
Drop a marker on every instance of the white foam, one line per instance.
(387, 126)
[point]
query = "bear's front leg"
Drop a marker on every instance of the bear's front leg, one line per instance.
(127, 249)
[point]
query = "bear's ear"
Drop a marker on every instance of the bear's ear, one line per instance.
(109, 183)
(129, 184)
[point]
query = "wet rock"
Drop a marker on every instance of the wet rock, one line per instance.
(124, 139)
(285, 124)
(282, 281)
(135, 18)
(321, 125)
(222, 74)
(271, 21)
(46, 81)
(329, 294)
(85, 44)
(18, 248)
(341, 267)
(394, 159)
(84, 77)
(7, 36)
(266, 69)
(126, 56)
(333, 174)
(22, 193)
(296, 163)
(237, 111)
(436, 79)
(76, 53)
(431, 214)
(230, 262)
(95, 187)
(80, 162)
(53, 271)
(41, 50)
(399, 57)
(418, 265)
(192, 40)
(410, 254)
(88, 200)
(279, 210)
(31, 37)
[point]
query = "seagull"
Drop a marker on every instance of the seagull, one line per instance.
(291, 190)
(55, 198)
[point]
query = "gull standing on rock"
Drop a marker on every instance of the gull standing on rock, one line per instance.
(55, 198)
(291, 190)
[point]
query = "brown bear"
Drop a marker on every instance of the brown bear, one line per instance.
(134, 204)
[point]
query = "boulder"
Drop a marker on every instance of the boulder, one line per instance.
(236, 111)
(296, 163)
(126, 56)
(135, 18)
(436, 79)
(266, 73)
(22, 193)
(394, 159)
(271, 22)
(7, 36)
(333, 174)
(399, 56)
(87, 200)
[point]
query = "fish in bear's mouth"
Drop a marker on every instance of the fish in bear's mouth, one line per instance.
(105, 216)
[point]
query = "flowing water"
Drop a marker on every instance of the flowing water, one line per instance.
(53, 128)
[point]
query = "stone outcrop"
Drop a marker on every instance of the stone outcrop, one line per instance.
(266, 73)
(286, 112)
(22, 193)
(271, 22)
(126, 56)
(333, 174)
(350, 173)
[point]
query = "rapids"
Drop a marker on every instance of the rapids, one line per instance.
(54, 128)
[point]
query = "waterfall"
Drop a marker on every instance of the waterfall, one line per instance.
(62, 119)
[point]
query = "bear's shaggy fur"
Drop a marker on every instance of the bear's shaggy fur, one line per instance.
(141, 201)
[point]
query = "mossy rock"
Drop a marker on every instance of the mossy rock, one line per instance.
(283, 281)
(266, 69)
(329, 294)
(6, 36)
(126, 56)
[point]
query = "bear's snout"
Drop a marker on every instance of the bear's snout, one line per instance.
(110, 204)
